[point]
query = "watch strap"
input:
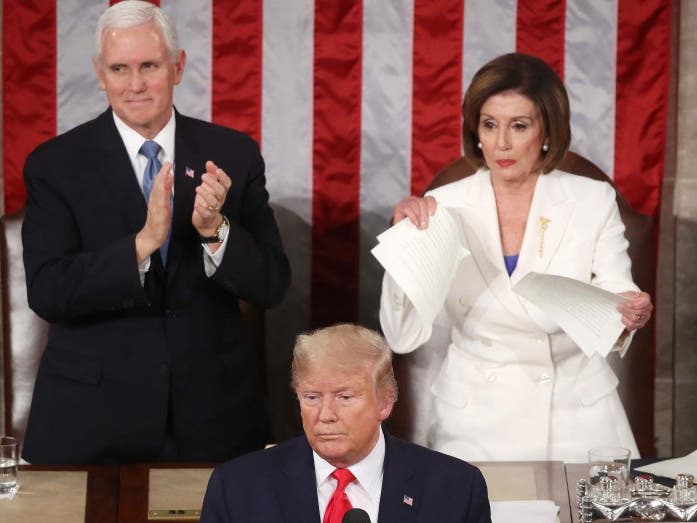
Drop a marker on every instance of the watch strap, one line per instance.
(216, 238)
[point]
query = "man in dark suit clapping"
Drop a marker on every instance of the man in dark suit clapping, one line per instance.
(143, 230)
(345, 385)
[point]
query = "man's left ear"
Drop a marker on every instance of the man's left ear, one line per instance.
(385, 404)
(98, 73)
(179, 65)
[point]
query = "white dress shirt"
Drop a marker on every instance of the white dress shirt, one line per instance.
(133, 141)
(365, 491)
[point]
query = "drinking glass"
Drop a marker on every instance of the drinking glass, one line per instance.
(609, 461)
(9, 457)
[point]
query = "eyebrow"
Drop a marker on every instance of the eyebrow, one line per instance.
(525, 117)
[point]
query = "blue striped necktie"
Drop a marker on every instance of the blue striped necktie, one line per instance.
(150, 150)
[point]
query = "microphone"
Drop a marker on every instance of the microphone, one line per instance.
(356, 515)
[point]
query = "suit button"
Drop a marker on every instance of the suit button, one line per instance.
(396, 302)
(544, 378)
(491, 377)
(171, 314)
(164, 369)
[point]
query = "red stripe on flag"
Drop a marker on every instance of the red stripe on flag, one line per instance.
(540, 31)
(336, 161)
(156, 2)
(237, 65)
(29, 88)
(643, 69)
(437, 89)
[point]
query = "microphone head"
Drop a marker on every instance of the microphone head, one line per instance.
(356, 515)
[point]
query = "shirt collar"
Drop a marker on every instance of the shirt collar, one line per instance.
(368, 471)
(133, 140)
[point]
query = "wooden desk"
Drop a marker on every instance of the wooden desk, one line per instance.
(135, 490)
(574, 472)
(120, 494)
(102, 490)
(549, 479)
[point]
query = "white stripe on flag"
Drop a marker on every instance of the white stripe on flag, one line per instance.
(385, 134)
(78, 97)
(286, 136)
(489, 31)
(591, 48)
(194, 29)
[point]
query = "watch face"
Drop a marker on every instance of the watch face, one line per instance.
(222, 231)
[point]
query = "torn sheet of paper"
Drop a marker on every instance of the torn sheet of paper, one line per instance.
(586, 313)
(671, 467)
(423, 262)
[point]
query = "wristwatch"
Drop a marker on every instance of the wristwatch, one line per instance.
(220, 233)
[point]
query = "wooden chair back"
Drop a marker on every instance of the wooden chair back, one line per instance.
(24, 333)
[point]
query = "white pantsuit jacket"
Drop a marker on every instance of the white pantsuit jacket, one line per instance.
(495, 378)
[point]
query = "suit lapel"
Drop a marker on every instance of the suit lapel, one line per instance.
(120, 182)
(188, 167)
(112, 162)
(295, 484)
(482, 231)
(550, 212)
(402, 488)
(480, 226)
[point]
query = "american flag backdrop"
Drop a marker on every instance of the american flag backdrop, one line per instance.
(356, 103)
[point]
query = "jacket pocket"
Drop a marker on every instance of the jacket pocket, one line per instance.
(69, 366)
(451, 391)
(461, 379)
(595, 380)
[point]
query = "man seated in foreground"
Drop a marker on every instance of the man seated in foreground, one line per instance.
(345, 385)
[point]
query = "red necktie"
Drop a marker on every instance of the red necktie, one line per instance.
(339, 504)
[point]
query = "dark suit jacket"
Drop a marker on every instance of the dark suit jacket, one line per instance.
(121, 355)
(278, 485)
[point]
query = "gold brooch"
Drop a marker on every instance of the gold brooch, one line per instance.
(544, 222)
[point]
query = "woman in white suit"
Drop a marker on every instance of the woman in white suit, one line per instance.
(511, 385)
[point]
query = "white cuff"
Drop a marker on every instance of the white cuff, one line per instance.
(212, 260)
(143, 269)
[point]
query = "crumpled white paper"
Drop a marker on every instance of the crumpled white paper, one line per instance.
(669, 468)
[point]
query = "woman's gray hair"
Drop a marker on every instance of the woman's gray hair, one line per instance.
(130, 13)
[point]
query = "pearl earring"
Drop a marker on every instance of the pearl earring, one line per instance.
(545, 147)
(479, 144)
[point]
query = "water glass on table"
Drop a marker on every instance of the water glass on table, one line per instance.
(9, 457)
(611, 463)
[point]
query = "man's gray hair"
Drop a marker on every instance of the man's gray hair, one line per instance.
(130, 13)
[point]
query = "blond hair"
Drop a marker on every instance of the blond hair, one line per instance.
(349, 348)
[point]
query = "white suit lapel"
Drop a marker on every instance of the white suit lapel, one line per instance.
(480, 227)
(550, 211)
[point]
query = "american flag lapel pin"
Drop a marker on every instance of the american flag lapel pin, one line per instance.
(189, 172)
(408, 500)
